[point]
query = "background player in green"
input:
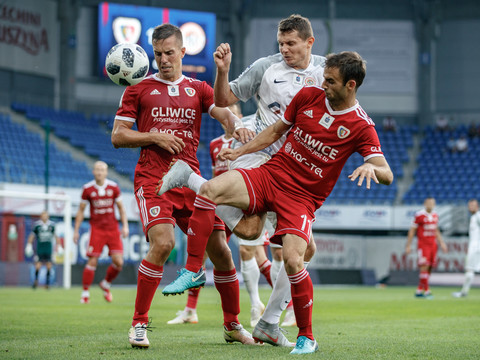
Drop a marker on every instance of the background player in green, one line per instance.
(44, 232)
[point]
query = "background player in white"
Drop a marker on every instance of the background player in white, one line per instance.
(272, 81)
(167, 108)
(102, 194)
(44, 232)
(323, 128)
(472, 262)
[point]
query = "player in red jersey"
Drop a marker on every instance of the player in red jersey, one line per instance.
(167, 108)
(102, 194)
(425, 226)
(323, 127)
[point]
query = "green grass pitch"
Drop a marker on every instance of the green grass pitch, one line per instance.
(348, 323)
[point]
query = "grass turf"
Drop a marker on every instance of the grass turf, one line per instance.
(348, 323)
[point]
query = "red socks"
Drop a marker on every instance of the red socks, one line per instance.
(265, 270)
(302, 297)
(88, 275)
(200, 227)
(423, 280)
(227, 285)
(192, 298)
(149, 277)
(112, 273)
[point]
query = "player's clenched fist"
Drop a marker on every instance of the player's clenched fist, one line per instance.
(223, 56)
(171, 143)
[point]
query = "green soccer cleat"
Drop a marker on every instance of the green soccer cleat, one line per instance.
(305, 346)
(185, 280)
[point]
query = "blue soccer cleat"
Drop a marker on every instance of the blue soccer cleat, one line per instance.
(184, 281)
(305, 346)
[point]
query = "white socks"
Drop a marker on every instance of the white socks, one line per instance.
(251, 275)
(276, 266)
(280, 297)
(469, 275)
(195, 181)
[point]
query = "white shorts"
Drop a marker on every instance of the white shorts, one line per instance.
(261, 241)
(248, 161)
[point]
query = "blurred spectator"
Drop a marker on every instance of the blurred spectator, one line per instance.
(473, 130)
(452, 145)
(389, 124)
(461, 144)
(442, 123)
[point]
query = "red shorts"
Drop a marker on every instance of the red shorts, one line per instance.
(294, 216)
(427, 255)
(173, 207)
(100, 237)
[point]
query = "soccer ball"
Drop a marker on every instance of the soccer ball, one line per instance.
(127, 64)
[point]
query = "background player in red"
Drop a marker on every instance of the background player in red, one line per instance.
(167, 108)
(425, 226)
(323, 128)
(102, 194)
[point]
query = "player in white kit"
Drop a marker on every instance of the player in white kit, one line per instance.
(472, 263)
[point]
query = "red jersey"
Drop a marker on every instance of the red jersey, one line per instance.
(318, 144)
(217, 144)
(426, 224)
(102, 200)
(168, 107)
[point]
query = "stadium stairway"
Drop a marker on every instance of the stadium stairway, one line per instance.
(63, 145)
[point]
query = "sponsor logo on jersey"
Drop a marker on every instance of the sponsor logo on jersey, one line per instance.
(279, 81)
(190, 91)
(94, 194)
(109, 192)
(171, 113)
(298, 79)
(310, 81)
(316, 146)
(173, 90)
(155, 92)
(154, 211)
(326, 121)
(376, 149)
(309, 113)
(342, 132)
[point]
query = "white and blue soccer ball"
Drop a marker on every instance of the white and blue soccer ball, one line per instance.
(127, 64)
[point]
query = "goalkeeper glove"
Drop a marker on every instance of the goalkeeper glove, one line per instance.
(29, 250)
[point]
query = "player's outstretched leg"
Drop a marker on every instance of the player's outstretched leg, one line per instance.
(185, 280)
(270, 334)
(305, 346)
(176, 177)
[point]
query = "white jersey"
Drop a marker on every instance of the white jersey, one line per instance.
(474, 231)
(274, 84)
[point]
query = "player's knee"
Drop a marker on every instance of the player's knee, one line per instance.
(161, 248)
(247, 231)
(207, 190)
(293, 264)
(246, 252)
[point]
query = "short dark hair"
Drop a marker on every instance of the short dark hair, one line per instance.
(296, 22)
(164, 31)
(350, 65)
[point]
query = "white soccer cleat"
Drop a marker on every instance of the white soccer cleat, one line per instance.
(289, 319)
(271, 334)
(238, 334)
(459, 294)
(137, 336)
(105, 286)
(256, 313)
(85, 297)
(176, 177)
(184, 317)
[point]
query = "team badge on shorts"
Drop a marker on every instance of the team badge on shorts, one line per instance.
(342, 132)
(154, 211)
(190, 91)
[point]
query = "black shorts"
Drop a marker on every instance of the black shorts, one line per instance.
(43, 257)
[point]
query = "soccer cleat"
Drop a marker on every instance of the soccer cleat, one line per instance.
(237, 334)
(270, 334)
(85, 298)
(305, 346)
(185, 280)
(105, 286)
(419, 294)
(184, 317)
(176, 177)
(459, 294)
(256, 313)
(289, 319)
(137, 336)
(35, 284)
(428, 295)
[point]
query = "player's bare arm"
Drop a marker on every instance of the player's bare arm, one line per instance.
(376, 169)
(439, 236)
(232, 124)
(222, 93)
(78, 221)
(266, 138)
(411, 234)
(123, 218)
(124, 136)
